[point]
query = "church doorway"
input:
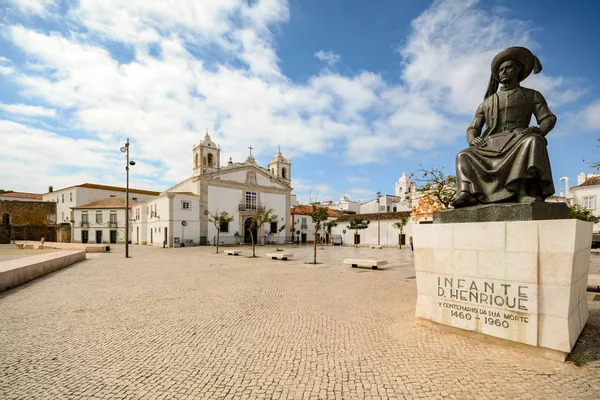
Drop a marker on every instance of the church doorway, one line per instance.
(247, 237)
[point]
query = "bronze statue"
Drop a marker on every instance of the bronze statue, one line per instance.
(508, 162)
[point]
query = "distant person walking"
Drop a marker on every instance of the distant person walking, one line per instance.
(411, 244)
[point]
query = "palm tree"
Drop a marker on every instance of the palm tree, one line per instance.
(330, 225)
(319, 216)
(356, 224)
(258, 220)
(219, 219)
(400, 225)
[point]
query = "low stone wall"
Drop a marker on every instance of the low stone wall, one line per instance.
(19, 271)
(89, 248)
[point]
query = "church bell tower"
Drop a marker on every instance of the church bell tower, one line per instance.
(207, 156)
(281, 168)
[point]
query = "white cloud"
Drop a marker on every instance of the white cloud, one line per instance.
(590, 116)
(34, 7)
(164, 102)
(352, 178)
(27, 110)
(329, 57)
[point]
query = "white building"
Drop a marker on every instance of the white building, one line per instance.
(345, 204)
(386, 203)
(380, 231)
(405, 198)
(170, 219)
(181, 213)
(101, 221)
(304, 227)
(78, 195)
(405, 188)
(586, 194)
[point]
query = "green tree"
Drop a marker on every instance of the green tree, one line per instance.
(258, 220)
(436, 185)
(319, 216)
(329, 225)
(357, 224)
(585, 214)
(218, 219)
(279, 230)
(400, 225)
(5, 191)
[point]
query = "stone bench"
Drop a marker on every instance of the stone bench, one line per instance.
(233, 252)
(359, 262)
(280, 255)
(88, 247)
(21, 270)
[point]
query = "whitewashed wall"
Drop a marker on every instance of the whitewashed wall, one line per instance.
(93, 227)
(389, 236)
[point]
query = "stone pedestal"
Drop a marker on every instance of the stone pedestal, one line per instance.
(523, 281)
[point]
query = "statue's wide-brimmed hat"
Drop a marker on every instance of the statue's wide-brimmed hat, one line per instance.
(520, 54)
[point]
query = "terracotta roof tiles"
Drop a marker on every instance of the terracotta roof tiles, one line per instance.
(109, 202)
(23, 195)
(593, 181)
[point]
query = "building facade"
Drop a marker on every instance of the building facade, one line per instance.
(101, 221)
(303, 226)
(181, 214)
(381, 230)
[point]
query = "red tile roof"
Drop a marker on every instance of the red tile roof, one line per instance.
(23, 195)
(109, 202)
(304, 209)
(114, 188)
(593, 181)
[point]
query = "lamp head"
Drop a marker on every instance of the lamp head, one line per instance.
(131, 162)
(123, 149)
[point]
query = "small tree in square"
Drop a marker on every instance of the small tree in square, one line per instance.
(357, 224)
(319, 216)
(400, 225)
(219, 219)
(279, 230)
(329, 225)
(258, 220)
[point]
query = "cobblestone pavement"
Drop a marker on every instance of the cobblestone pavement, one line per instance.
(189, 324)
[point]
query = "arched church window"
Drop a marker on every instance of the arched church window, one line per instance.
(6, 219)
(197, 160)
(210, 160)
(204, 161)
(283, 173)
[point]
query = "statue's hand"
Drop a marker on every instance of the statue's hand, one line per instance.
(535, 130)
(477, 142)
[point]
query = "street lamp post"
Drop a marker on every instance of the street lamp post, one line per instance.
(378, 230)
(125, 149)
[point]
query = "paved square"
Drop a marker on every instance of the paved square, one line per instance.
(189, 324)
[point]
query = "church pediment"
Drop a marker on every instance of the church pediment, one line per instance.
(247, 175)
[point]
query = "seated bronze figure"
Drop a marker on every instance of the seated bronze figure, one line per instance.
(509, 161)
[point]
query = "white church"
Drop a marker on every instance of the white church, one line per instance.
(180, 215)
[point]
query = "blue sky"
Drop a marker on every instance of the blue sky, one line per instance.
(355, 92)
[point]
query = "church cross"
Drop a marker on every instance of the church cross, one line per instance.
(250, 149)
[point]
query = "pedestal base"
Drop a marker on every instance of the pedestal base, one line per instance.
(522, 281)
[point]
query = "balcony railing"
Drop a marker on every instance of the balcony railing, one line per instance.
(249, 208)
(85, 224)
(113, 224)
(304, 226)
